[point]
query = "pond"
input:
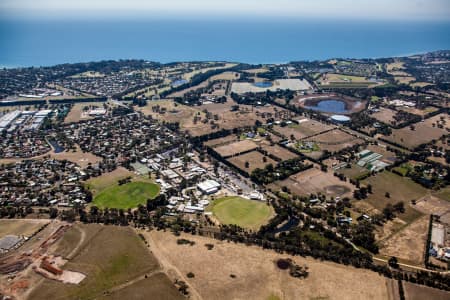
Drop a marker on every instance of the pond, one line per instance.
(330, 106)
(56, 147)
(292, 222)
(263, 84)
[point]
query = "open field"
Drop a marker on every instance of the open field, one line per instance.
(111, 257)
(404, 79)
(419, 292)
(227, 119)
(385, 115)
(419, 112)
(98, 184)
(76, 112)
(353, 172)
(314, 181)
(399, 189)
(246, 213)
(436, 204)
(444, 194)
(408, 243)
(283, 84)
(20, 227)
(256, 276)
(279, 152)
(236, 148)
(335, 140)
(304, 129)
(221, 141)
(170, 111)
(226, 76)
(420, 84)
(83, 159)
(332, 80)
(255, 160)
(424, 132)
(126, 196)
(157, 287)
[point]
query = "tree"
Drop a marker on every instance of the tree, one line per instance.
(393, 262)
(247, 164)
(387, 195)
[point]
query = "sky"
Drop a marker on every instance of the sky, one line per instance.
(438, 10)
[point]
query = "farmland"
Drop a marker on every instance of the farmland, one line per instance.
(332, 141)
(255, 275)
(236, 148)
(385, 115)
(303, 130)
(126, 196)
(254, 159)
(399, 189)
(246, 213)
(313, 181)
(112, 258)
(423, 132)
(279, 152)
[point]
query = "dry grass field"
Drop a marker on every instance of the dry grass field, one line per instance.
(226, 76)
(113, 258)
(313, 181)
(424, 132)
(433, 204)
(304, 129)
(76, 113)
(221, 141)
(21, 227)
(408, 243)
(385, 115)
(279, 152)
(404, 79)
(236, 148)
(173, 112)
(335, 140)
(97, 184)
(255, 275)
(399, 189)
(157, 287)
(420, 292)
(78, 157)
(255, 160)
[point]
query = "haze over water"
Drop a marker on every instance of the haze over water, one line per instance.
(48, 42)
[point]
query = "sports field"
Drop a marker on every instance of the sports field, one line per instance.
(127, 195)
(242, 212)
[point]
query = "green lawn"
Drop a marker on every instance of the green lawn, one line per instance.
(126, 196)
(242, 212)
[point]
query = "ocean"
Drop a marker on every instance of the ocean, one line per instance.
(49, 42)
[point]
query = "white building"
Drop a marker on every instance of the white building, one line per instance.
(208, 186)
